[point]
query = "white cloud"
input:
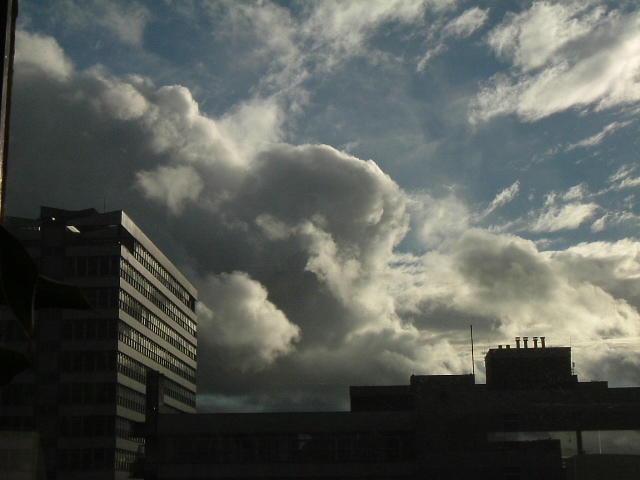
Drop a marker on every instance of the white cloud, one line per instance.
(504, 197)
(535, 37)
(596, 139)
(173, 186)
(127, 22)
(565, 217)
(252, 125)
(577, 192)
(436, 221)
(462, 26)
(622, 179)
(467, 23)
(41, 53)
(235, 314)
(613, 266)
(616, 219)
(564, 56)
(344, 27)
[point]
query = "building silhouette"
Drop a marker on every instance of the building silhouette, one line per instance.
(437, 426)
(88, 383)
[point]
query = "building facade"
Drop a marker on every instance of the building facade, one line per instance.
(87, 387)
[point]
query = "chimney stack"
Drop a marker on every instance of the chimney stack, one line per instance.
(525, 340)
(535, 342)
(517, 342)
(542, 341)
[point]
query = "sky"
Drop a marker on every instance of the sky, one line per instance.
(352, 184)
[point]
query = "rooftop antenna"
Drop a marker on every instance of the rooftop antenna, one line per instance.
(473, 362)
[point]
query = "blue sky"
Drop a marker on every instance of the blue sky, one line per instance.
(351, 184)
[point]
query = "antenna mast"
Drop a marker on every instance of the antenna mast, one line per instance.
(473, 362)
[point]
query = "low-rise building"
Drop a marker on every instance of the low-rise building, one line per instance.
(437, 426)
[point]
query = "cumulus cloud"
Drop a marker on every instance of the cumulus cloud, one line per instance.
(43, 54)
(563, 56)
(235, 314)
(171, 185)
(506, 284)
(319, 296)
(436, 220)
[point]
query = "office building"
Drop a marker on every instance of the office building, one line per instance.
(87, 386)
(437, 426)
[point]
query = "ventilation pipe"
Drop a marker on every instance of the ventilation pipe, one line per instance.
(535, 342)
(542, 342)
(525, 340)
(517, 342)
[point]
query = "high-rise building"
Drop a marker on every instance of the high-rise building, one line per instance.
(86, 389)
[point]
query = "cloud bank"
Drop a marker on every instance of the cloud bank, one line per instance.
(315, 269)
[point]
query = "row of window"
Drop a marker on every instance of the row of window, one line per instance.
(136, 370)
(131, 399)
(136, 310)
(90, 329)
(136, 340)
(96, 426)
(102, 393)
(88, 361)
(79, 459)
(87, 393)
(102, 297)
(178, 392)
(150, 291)
(132, 368)
(299, 448)
(94, 361)
(91, 266)
(143, 256)
(87, 426)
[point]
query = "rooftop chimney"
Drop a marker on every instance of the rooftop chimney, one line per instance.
(525, 340)
(499, 346)
(542, 341)
(535, 342)
(508, 346)
(517, 342)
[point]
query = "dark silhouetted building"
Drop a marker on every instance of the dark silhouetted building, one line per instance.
(88, 384)
(438, 426)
